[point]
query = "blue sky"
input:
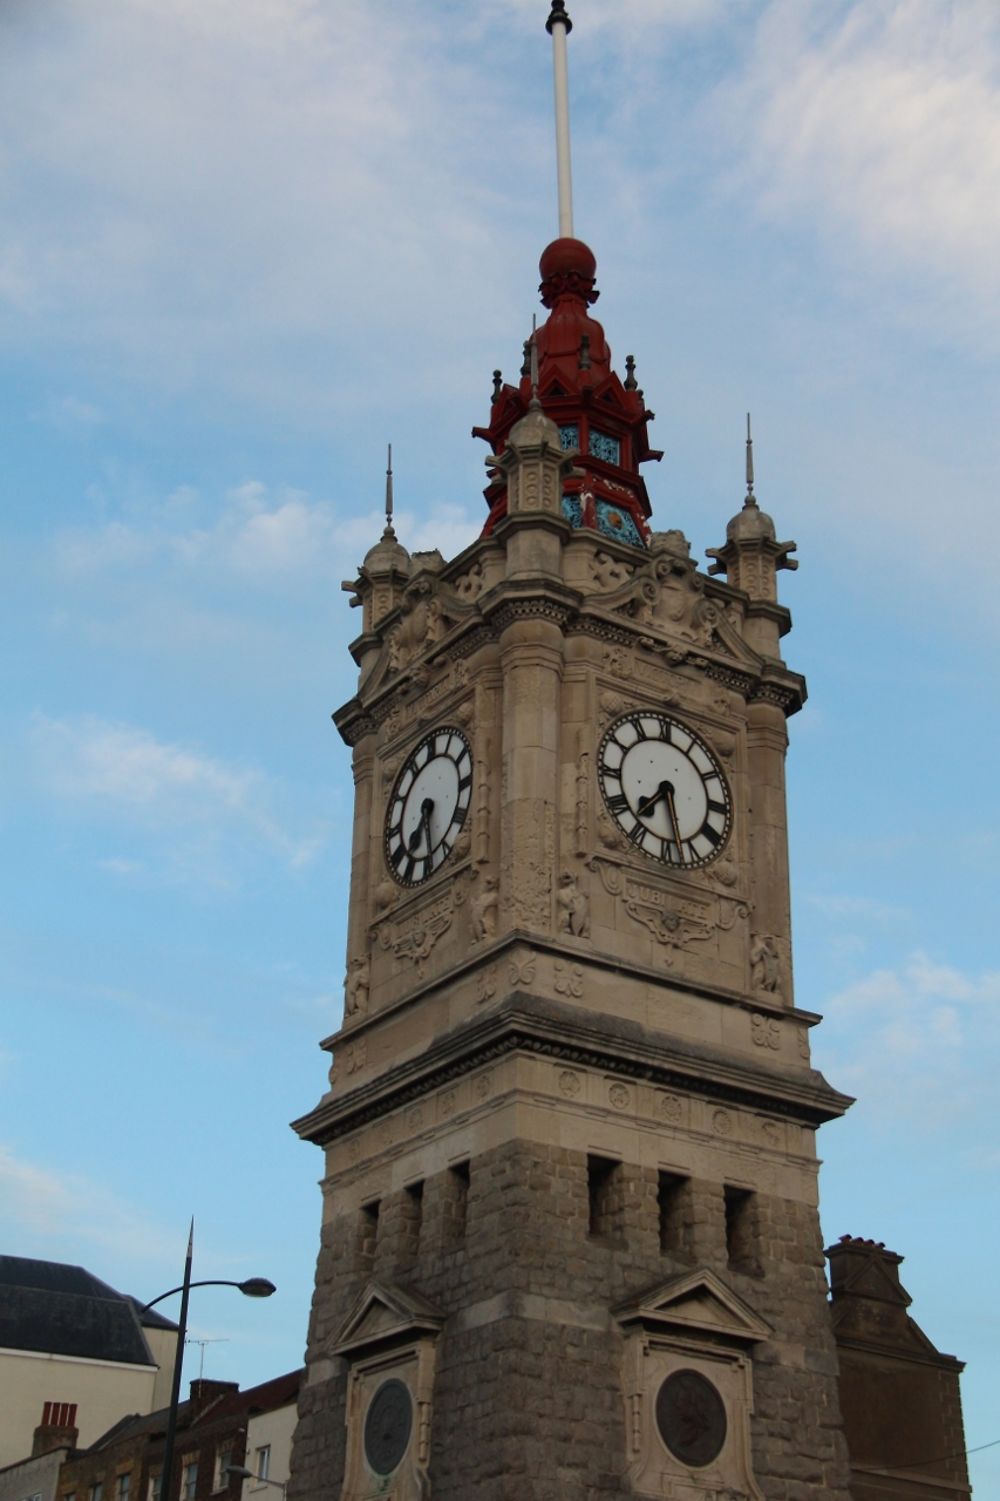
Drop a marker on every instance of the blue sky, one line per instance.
(247, 242)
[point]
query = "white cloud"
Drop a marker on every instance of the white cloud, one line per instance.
(919, 1042)
(216, 176)
(192, 801)
(880, 122)
(865, 909)
(72, 414)
(44, 1209)
(257, 536)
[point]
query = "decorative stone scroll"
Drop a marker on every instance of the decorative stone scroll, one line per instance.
(415, 936)
(677, 926)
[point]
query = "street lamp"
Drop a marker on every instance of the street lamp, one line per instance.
(253, 1287)
(242, 1473)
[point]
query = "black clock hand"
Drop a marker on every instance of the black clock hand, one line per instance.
(647, 804)
(424, 826)
(672, 815)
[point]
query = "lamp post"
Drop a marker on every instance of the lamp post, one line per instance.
(253, 1287)
(240, 1472)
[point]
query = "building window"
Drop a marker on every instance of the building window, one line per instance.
(122, 1485)
(223, 1459)
(604, 447)
(673, 1197)
(741, 1230)
(96, 1492)
(369, 1228)
(459, 1181)
(604, 1191)
(415, 1214)
(569, 436)
(262, 1461)
(153, 1489)
(189, 1480)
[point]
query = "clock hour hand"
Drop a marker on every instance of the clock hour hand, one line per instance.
(424, 826)
(647, 804)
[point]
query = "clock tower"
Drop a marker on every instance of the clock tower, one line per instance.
(570, 1245)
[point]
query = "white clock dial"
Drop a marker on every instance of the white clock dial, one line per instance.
(664, 789)
(428, 806)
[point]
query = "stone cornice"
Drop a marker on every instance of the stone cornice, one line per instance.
(529, 1024)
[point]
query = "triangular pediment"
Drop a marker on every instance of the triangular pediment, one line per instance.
(386, 1313)
(698, 1303)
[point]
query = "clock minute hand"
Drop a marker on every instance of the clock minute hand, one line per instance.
(672, 815)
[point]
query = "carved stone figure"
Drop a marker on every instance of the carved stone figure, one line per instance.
(574, 906)
(608, 572)
(356, 983)
(765, 964)
(483, 910)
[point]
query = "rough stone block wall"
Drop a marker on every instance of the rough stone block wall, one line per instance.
(528, 1399)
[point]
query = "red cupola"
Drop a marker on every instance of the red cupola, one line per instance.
(601, 419)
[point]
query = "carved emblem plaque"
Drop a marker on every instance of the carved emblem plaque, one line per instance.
(691, 1418)
(387, 1426)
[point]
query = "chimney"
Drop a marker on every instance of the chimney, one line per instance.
(204, 1391)
(57, 1430)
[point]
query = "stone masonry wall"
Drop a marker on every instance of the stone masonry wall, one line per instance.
(528, 1395)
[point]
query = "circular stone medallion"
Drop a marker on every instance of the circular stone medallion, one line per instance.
(691, 1418)
(387, 1426)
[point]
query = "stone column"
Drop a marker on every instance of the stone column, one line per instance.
(770, 951)
(531, 659)
(363, 766)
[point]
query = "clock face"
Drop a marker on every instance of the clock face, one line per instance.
(387, 1426)
(428, 806)
(664, 789)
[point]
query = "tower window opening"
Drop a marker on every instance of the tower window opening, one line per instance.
(369, 1230)
(741, 1229)
(415, 1212)
(673, 1197)
(604, 1190)
(459, 1182)
(569, 435)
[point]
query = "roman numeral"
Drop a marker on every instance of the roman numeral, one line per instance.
(714, 807)
(396, 855)
(411, 866)
(707, 832)
(617, 802)
(637, 833)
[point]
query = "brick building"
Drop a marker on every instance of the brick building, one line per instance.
(126, 1463)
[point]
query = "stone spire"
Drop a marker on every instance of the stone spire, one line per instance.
(750, 559)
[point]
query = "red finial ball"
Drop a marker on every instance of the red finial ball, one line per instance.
(567, 257)
(567, 266)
